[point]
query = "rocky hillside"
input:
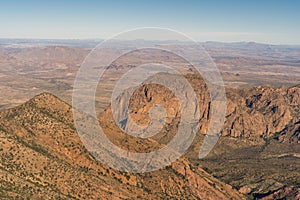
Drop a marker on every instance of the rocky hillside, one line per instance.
(264, 112)
(43, 157)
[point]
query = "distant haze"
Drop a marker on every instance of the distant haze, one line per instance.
(274, 22)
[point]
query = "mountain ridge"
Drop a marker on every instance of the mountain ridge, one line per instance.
(45, 152)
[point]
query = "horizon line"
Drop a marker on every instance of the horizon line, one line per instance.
(101, 39)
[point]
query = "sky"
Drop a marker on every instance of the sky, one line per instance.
(264, 21)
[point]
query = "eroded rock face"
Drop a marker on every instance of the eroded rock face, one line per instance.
(257, 114)
(263, 112)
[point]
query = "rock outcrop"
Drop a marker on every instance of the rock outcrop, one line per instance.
(264, 112)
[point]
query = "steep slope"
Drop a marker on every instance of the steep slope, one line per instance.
(43, 148)
(43, 157)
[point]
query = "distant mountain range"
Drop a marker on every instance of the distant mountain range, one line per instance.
(91, 43)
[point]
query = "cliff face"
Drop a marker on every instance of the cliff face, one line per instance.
(257, 114)
(264, 112)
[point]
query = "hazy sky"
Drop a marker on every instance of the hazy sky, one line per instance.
(269, 21)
